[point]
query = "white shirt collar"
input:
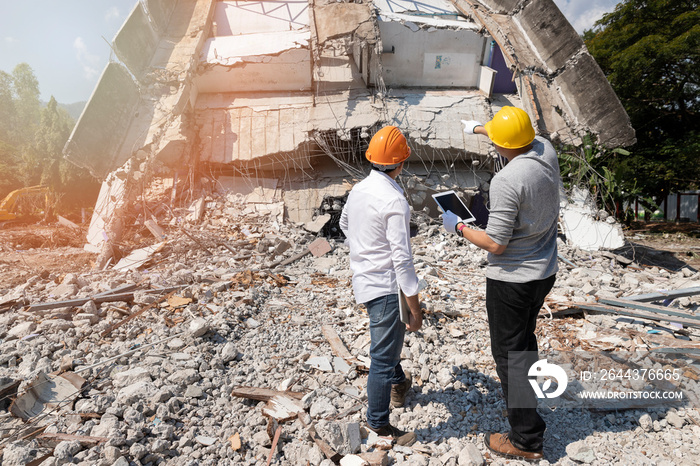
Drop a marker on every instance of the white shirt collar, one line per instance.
(376, 174)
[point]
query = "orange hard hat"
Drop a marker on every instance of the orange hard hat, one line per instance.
(388, 147)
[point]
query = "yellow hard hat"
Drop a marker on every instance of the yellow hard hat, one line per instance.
(388, 147)
(510, 128)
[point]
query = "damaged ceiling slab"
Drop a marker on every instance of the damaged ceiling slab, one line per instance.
(276, 89)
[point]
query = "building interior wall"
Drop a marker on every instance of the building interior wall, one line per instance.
(435, 58)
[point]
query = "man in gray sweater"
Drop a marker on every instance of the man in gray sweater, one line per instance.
(521, 238)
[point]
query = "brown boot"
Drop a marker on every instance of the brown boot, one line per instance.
(398, 436)
(398, 392)
(501, 445)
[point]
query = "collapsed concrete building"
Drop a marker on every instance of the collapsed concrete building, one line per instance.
(276, 101)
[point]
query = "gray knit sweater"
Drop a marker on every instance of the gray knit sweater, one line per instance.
(524, 205)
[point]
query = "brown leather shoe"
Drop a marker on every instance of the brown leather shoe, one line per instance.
(398, 436)
(398, 392)
(501, 445)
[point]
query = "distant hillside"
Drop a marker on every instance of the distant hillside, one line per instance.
(74, 109)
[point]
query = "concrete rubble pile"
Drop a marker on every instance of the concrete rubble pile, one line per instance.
(250, 348)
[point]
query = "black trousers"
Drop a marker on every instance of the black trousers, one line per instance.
(512, 312)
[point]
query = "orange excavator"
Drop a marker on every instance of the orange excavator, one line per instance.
(24, 204)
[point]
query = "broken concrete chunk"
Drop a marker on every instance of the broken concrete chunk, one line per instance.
(131, 376)
(470, 455)
(340, 365)
(21, 330)
(139, 391)
(229, 352)
(204, 440)
(184, 377)
(64, 291)
(321, 363)
(353, 460)
(322, 408)
(581, 452)
(45, 392)
(198, 327)
(352, 437)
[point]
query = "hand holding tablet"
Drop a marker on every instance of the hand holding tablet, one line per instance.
(448, 200)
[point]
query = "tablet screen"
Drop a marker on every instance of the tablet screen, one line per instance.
(449, 201)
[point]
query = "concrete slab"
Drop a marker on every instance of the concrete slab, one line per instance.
(338, 19)
(242, 17)
(137, 40)
(554, 39)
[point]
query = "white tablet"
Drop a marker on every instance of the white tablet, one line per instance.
(404, 311)
(448, 200)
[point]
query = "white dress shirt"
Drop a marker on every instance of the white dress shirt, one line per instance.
(375, 221)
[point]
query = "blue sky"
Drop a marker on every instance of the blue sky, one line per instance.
(62, 40)
(582, 14)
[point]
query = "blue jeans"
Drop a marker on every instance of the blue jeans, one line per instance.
(386, 332)
(512, 311)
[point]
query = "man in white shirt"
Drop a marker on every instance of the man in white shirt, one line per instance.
(375, 221)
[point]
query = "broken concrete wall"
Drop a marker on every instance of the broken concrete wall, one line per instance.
(99, 133)
(553, 38)
(256, 62)
(540, 44)
(242, 128)
(590, 101)
(439, 58)
(235, 17)
(335, 20)
(254, 48)
(137, 40)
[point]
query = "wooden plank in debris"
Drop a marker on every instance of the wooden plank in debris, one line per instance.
(263, 394)
(83, 439)
(337, 345)
(643, 306)
(136, 314)
(317, 248)
(635, 314)
(118, 290)
(663, 295)
(273, 448)
(98, 299)
(664, 342)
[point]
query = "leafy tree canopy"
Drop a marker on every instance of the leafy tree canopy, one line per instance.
(650, 50)
(32, 140)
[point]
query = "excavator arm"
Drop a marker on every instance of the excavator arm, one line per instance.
(9, 206)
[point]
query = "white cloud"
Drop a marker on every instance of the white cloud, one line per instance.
(88, 61)
(112, 13)
(11, 40)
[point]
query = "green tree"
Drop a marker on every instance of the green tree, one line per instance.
(650, 50)
(53, 132)
(27, 104)
(7, 108)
